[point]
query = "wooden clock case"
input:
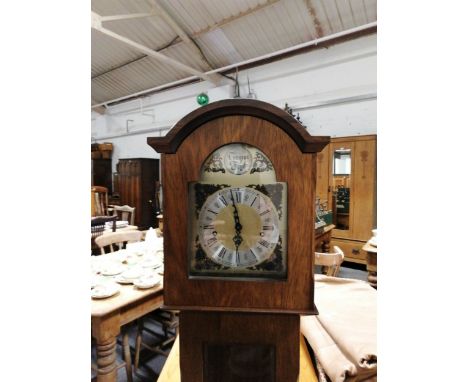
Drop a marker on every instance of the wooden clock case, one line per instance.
(293, 154)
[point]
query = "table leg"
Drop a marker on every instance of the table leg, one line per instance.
(372, 279)
(105, 331)
(106, 354)
(372, 269)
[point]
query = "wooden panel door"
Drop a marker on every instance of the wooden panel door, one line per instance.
(364, 188)
(344, 217)
(323, 176)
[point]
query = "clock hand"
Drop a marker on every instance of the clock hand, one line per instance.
(237, 239)
(238, 225)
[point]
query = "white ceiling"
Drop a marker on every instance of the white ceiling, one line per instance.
(154, 44)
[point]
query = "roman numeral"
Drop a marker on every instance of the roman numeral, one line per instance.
(211, 241)
(223, 200)
(222, 253)
(253, 254)
(253, 201)
(266, 244)
(209, 226)
(238, 196)
(264, 212)
(212, 212)
(267, 228)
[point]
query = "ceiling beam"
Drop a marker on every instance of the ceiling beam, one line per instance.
(96, 23)
(319, 43)
(203, 31)
(128, 16)
(182, 34)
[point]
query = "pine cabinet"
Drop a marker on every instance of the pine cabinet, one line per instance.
(137, 179)
(346, 178)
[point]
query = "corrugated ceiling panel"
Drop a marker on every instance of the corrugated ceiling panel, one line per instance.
(218, 49)
(135, 77)
(188, 56)
(272, 28)
(225, 38)
(359, 12)
(118, 7)
(371, 9)
(108, 53)
(201, 14)
(152, 32)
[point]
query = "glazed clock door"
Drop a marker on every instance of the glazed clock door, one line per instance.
(238, 217)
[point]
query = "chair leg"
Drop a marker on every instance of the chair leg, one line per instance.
(127, 355)
(138, 344)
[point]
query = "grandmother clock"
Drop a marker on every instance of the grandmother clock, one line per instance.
(239, 191)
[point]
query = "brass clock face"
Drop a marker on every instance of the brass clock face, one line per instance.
(238, 217)
(238, 227)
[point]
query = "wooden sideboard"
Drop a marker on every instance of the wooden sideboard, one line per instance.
(137, 188)
(355, 221)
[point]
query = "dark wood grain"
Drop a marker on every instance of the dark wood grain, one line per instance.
(137, 185)
(102, 173)
(296, 294)
(199, 329)
(232, 107)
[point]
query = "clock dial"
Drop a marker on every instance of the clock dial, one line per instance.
(238, 210)
(238, 227)
(238, 231)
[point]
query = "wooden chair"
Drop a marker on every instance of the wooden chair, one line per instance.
(331, 260)
(118, 238)
(124, 213)
(98, 224)
(169, 321)
(99, 201)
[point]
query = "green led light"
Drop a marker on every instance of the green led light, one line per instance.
(202, 99)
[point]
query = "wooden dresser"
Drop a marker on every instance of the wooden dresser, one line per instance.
(101, 173)
(137, 188)
(354, 177)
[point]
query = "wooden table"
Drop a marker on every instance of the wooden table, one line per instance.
(322, 238)
(371, 264)
(109, 315)
(171, 370)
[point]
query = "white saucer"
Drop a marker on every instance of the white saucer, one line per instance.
(146, 282)
(112, 270)
(105, 290)
(151, 263)
(122, 280)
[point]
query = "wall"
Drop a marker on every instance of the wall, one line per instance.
(334, 90)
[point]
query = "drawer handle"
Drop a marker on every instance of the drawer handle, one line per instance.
(355, 251)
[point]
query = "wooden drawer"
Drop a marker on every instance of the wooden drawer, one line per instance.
(352, 250)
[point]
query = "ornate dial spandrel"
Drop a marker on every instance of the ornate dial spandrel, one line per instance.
(238, 164)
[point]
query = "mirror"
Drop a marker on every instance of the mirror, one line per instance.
(341, 187)
(342, 162)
